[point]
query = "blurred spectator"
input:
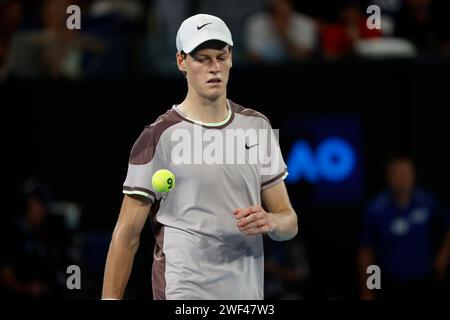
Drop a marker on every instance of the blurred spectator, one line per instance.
(339, 38)
(286, 270)
(33, 250)
(424, 22)
(164, 18)
(10, 19)
(121, 26)
(54, 51)
(407, 234)
(235, 13)
(280, 34)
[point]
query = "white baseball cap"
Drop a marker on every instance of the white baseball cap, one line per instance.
(201, 28)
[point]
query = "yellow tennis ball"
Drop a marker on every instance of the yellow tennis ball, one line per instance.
(163, 180)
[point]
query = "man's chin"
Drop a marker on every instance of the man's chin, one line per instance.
(213, 96)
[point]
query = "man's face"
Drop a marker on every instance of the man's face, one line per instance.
(207, 71)
(401, 175)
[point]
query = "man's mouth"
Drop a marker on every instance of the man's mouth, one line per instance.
(214, 80)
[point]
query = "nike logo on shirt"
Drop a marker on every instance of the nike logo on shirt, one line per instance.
(248, 147)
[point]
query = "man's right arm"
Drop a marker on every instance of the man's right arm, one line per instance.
(124, 244)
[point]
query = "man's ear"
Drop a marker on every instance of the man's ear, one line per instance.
(181, 62)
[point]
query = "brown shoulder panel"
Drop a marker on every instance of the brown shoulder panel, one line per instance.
(247, 111)
(144, 148)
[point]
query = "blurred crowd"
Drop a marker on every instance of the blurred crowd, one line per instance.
(135, 37)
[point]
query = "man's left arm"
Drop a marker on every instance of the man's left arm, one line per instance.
(280, 222)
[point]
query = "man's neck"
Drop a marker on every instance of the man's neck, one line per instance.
(204, 110)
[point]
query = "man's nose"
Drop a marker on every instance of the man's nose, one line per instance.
(215, 66)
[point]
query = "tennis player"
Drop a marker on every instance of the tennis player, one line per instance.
(209, 228)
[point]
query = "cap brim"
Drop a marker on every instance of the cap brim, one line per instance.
(196, 42)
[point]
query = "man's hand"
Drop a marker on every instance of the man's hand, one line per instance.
(280, 223)
(254, 220)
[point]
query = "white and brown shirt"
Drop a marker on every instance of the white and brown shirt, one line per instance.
(199, 251)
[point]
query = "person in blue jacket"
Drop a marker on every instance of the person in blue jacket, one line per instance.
(406, 232)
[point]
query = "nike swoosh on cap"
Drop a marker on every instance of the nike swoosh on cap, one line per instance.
(199, 27)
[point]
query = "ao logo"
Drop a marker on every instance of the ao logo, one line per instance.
(333, 160)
